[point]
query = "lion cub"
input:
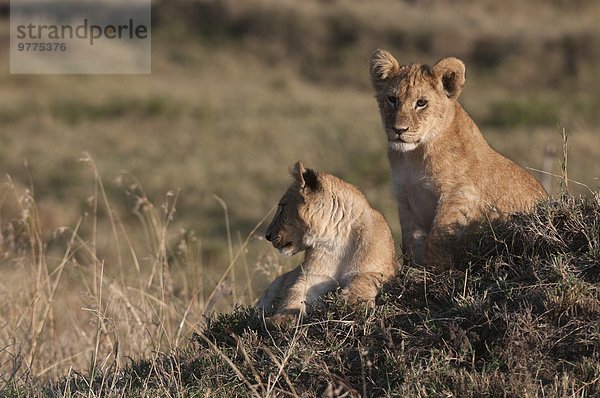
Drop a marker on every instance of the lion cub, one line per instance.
(444, 174)
(347, 244)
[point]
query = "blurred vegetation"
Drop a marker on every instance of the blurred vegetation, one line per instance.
(241, 90)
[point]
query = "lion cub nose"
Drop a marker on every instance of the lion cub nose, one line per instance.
(269, 236)
(400, 130)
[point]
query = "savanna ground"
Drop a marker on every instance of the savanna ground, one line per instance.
(132, 206)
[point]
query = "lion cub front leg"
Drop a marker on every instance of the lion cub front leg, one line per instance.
(414, 237)
(451, 219)
(307, 287)
(268, 302)
(363, 288)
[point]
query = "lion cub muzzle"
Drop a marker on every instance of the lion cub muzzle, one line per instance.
(285, 231)
(281, 243)
(402, 135)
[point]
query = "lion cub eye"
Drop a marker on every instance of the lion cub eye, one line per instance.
(392, 100)
(422, 103)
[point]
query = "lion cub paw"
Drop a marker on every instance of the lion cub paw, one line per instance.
(282, 320)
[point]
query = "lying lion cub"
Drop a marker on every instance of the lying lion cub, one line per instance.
(445, 175)
(347, 244)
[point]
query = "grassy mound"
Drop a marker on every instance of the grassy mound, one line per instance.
(521, 317)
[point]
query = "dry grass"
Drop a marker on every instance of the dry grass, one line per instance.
(64, 310)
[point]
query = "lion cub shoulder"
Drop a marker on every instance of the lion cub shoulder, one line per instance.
(445, 175)
(347, 243)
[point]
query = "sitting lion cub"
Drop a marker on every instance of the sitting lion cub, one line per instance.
(347, 244)
(444, 173)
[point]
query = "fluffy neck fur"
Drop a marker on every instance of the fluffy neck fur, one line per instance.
(346, 217)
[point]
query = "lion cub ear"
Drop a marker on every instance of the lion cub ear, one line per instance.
(307, 178)
(451, 72)
(382, 66)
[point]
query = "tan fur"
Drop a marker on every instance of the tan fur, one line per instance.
(347, 244)
(445, 175)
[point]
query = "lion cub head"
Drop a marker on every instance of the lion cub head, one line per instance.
(296, 223)
(415, 100)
